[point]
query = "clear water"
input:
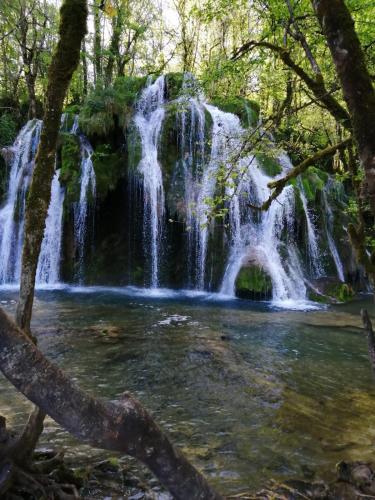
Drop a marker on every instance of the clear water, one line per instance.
(285, 394)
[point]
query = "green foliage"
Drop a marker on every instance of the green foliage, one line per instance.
(106, 105)
(109, 168)
(70, 165)
(246, 110)
(352, 207)
(174, 84)
(268, 164)
(342, 292)
(8, 129)
(313, 180)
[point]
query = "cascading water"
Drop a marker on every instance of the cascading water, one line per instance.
(87, 190)
(48, 271)
(225, 136)
(253, 237)
(313, 246)
(191, 123)
(259, 240)
(331, 242)
(148, 120)
(13, 211)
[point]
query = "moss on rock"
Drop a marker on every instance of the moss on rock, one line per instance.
(246, 110)
(105, 107)
(70, 161)
(174, 83)
(313, 180)
(268, 164)
(253, 282)
(109, 167)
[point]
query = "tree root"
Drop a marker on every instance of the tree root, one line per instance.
(36, 485)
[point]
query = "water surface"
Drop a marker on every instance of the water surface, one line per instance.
(250, 391)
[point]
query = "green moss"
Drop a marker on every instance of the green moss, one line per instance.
(70, 165)
(174, 83)
(169, 151)
(268, 164)
(107, 106)
(246, 110)
(134, 146)
(340, 291)
(253, 283)
(313, 180)
(109, 167)
(8, 129)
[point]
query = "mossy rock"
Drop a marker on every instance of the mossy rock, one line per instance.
(107, 107)
(174, 82)
(109, 168)
(313, 180)
(254, 283)
(331, 291)
(70, 162)
(343, 292)
(134, 147)
(246, 110)
(269, 165)
(169, 150)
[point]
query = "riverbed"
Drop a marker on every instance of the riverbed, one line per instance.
(250, 391)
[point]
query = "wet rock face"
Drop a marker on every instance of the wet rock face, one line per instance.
(253, 283)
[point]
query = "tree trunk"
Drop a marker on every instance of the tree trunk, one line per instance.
(124, 427)
(30, 83)
(114, 47)
(348, 56)
(84, 68)
(97, 42)
(64, 62)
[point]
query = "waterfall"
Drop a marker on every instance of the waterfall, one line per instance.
(259, 240)
(148, 120)
(87, 189)
(48, 271)
(191, 121)
(313, 246)
(331, 242)
(226, 131)
(12, 213)
(253, 237)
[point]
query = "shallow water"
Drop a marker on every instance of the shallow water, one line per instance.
(250, 391)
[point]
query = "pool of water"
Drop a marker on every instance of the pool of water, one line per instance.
(250, 391)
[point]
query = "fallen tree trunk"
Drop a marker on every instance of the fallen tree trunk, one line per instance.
(124, 426)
